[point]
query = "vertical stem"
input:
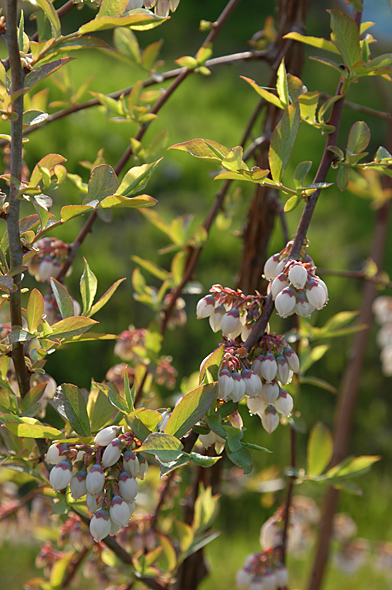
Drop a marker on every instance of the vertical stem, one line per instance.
(15, 247)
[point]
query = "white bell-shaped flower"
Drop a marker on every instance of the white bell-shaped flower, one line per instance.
(105, 436)
(284, 403)
(95, 479)
(128, 486)
(270, 419)
(269, 367)
(298, 275)
(100, 525)
(119, 511)
(285, 302)
(60, 475)
(78, 485)
(131, 463)
(205, 307)
(112, 453)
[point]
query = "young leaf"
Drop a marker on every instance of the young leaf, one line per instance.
(352, 466)
(130, 394)
(282, 86)
(191, 409)
(103, 183)
(165, 446)
(70, 403)
(345, 36)
(51, 14)
(313, 41)
(320, 449)
(39, 73)
(63, 299)
(242, 458)
(300, 173)
(282, 141)
(70, 327)
(88, 287)
(202, 148)
(358, 138)
(140, 20)
(35, 430)
(105, 297)
(263, 92)
(35, 309)
(212, 364)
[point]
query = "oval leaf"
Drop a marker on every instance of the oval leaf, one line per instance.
(191, 409)
(320, 449)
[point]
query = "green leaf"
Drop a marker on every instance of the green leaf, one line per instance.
(281, 85)
(141, 431)
(88, 287)
(126, 42)
(313, 356)
(358, 138)
(31, 398)
(200, 542)
(70, 404)
(345, 36)
(291, 203)
(320, 449)
(300, 173)
(120, 201)
(151, 267)
(117, 400)
(352, 466)
(212, 364)
(112, 8)
(63, 299)
(39, 73)
(70, 327)
(59, 569)
(268, 96)
(26, 430)
(206, 508)
(165, 446)
(136, 179)
(282, 141)
(256, 447)
(103, 183)
(233, 161)
(139, 20)
(105, 297)
(202, 148)
(70, 211)
(99, 409)
(308, 102)
(35, 309)
(130, 394)
(185, 534)
(313, 41)
(166, 467)
(242, 458)
(51, 14)
(204, 461)
(342, 178)
(191, 409)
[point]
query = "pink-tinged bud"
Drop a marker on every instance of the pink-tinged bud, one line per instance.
(236, 420)
(112, 453)
(283, 372)
(269, 580)
(225, 384)
(282, 576)
(78, 485)
(270, 534)
(45, 269)
(230, 321)
(256, 365)
(143, 467)
(278, 284)
(131, 463)
(269, 367)
(238, 392)
(292, 359)
(255, 404)
(285, 302)
(216, 317)
(205, 307)
(128, 486)
(269, 392)
(281, 266)
(252, 382)
(270, 419)
(94, 501)
(298, 275)
(316, 294)
(308, 260)
(162, 8)
(302, 307)
(119, 511)
(284, 404)
(243, 578)
(105, 436)
(56, 454)
(133, 4)
(270, 267)
(60, 476)
(100, 525)
(95, 479)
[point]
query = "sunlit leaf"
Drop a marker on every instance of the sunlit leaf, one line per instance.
(320, 449)
(35, 309)
(282, 141)
(70, 404)
(191, 409)
(345, 36)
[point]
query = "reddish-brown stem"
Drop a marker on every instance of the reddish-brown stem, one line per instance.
(162, 497)
(75, 565)
(139, 391)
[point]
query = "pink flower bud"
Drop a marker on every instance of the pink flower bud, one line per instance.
(56, 454)
(225, 384)
(316, 293)
(270, 534)
(252, 382)
(143, 467)
(216, 318)
(278, 284)
(302, 307)
(131, 463)
(205, 307)
(243, 578)
(268, 367)
(128, 486)
(105, 436)
(95, 480)
(298, 275)
(162, 8)
(100, 525)
(94, 501)
(292, 359)
(119, 511)
(78, 485)
(284, 404)
(60, 476)
(256, 365)
(281, 266)
(255, 404)
(285, 302)
(283, 372)
(238, 392)
(112, 453)
(269, 392)
(270, 419)
(236, 420)
(269, 580)
(270, 267)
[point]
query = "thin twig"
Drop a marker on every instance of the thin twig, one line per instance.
(74, 567)
(356, 274)
(361, 108)
(22, 502)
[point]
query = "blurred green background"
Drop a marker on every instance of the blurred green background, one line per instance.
(217, 107)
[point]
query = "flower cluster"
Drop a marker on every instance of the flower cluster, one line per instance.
(105, 473)
(47, 261)
(263, 571)
(230, 311)
(382, 309)
(294, 285)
